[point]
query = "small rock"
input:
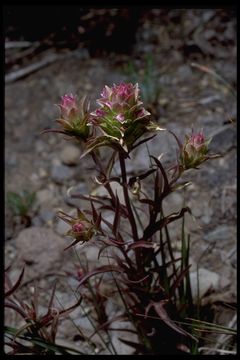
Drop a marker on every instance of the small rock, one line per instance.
(121, 348)
(37, 221)
(163, 101)
(208, 14)
(40, 249)
(47, 215)
(224, 282)
(80, 188)
(116, 187)
(206, 280)
(184, 72)
(44, 196)
(42, 173)
(173, 203)
(70, 155)
(11, 160)
(61, 173)
(222, 234)
(34, 177)
(223, 139)
(40, 146)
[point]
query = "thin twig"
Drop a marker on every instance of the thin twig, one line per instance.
(49, 59)
(19, 44)
(227, 352)
(18, 74)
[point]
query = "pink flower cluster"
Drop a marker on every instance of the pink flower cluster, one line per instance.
(78, 228)
(194, 150)
(197, 140)
(121, 102)
(68, 105)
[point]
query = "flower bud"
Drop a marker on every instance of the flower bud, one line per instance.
(68, 106)
(74, 116)
(81, 229)
(194, 150)
(121, 114)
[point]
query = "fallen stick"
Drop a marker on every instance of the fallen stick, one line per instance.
(18, 74)
(49, 59)
(20, 55)
(18, 44)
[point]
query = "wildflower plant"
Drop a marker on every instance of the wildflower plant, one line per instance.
(154, 290)
(21, 205)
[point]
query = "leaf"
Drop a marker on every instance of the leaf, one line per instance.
(100, 270)
(159, 165)
(109, 321)
(154, 127)
(136, 281)
(18, 282)
(15, 203)
(110, 164)
(11, 305)
(116, 217)
(143, 141)
(139, 347)
(152, 228)
(142, 244)
(41, 342)
(176, 138)
(102, 141)
(179, 279)
(29, 198)
(133, 179)
(162, 313)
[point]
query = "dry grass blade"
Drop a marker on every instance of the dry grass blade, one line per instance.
(16, 285)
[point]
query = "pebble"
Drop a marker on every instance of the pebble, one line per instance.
(40, 146)
(222, 234)
(80, 188)
(37, 221)
(184, 72)
(47, 216)
(121, 348)
(42, 173)
(70, 155)
(44, 196)
(223, 139)
(61, 173)
(207, 280)
(40, 248)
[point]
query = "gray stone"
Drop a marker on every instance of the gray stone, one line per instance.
(80, 188)
(163, 143)
(42, 173)
(223, 234)
(37, 221)
(41, 249)
(47, 215)
(184, 72)
(173, 203)
(61, 173)
(44, 196)
(70, 155)
(121, 348)
(206, 280)
(223, 139)
(40, 146)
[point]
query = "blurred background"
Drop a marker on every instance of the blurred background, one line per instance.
(185, 63)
